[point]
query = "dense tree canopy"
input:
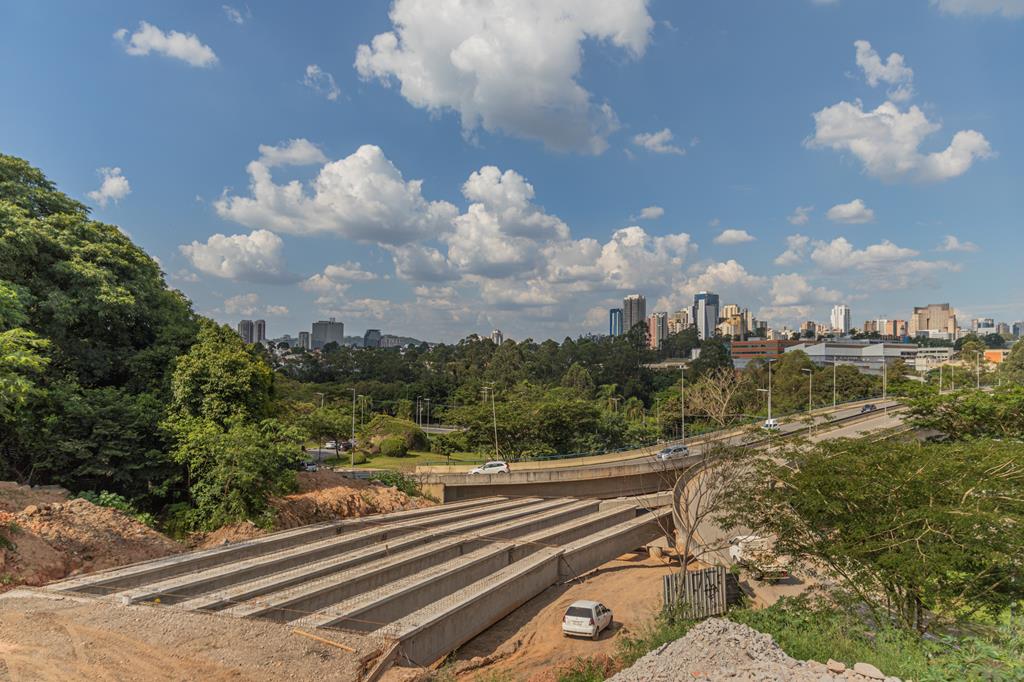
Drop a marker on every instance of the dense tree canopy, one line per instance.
(94, 311)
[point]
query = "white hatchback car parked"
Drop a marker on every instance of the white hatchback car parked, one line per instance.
(495, 467)
(586, 618)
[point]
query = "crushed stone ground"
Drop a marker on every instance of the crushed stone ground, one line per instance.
(718, 649)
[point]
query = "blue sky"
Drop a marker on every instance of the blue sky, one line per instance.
(441, 167)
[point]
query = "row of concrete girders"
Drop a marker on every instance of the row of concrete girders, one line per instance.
(442, 626)
(142, 573)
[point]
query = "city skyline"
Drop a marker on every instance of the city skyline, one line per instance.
(881, 174)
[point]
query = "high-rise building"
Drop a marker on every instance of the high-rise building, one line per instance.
(657, 330)
(304, 340)
(1002, 328)
(634, 311)
(259, 331)
(982, 322)
(389, 341)
(705, 314)
(615, 321)
(728, 310)
(497, 337)
(371, 339)
(841, 318)
(246, 331)
(808, 330)
(894, 328)
(934, 317)
(1017, 329)
(678, 321)
(327, 331)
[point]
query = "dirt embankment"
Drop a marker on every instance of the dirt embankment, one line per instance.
(49, 537)
(52, 537)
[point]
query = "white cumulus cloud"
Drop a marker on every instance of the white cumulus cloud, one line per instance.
(852, 212)
(651, 212)
(250, 304)
(114, 187)
(507, 65)
(184, 46)
(893, 71)
(659, 142)
(321, 82)
(254, 257)
(951, 243)
(362, 197)
(233, 14)
(887, 142)
(732, 236)
(796, 250)
(297, 152)
(801, 215)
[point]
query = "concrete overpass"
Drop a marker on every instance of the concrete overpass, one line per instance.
(630, 473)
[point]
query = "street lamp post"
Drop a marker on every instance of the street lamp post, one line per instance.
(352, 444)
(682, 404)
(810, 393)
(428, 411)
(494, 418)
(885, 383)
(835, 361)
(977, 369)
(417, 410)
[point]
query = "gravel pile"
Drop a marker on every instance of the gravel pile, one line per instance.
(718, 649)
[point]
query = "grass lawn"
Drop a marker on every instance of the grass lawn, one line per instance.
(407, 463)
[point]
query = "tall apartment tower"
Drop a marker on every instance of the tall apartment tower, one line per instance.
(678, 321)
(657, 330)
(615, 322)
(705, 314)
(497, 337)
(326, 331)
(246, 330)
(934, 317)
(634, 311)
(304, 340)
(259, 331)
(371, 339)
(841, 318)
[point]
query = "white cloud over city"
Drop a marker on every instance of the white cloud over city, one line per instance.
(148, 39)
(114, 186)
(507, 66)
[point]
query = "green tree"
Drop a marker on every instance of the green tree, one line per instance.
(921, 533)
(221, 378)
(235, 468)
(578, 379)
(971, 414)
(1012, 367)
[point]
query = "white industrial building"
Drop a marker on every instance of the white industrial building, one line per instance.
(865, 356)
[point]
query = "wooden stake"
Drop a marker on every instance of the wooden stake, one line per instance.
(346, 647)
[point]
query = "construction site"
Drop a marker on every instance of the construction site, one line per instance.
(378, 585)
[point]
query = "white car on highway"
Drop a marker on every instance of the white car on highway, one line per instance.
(672, 452)
(586, 618)
(496, 467)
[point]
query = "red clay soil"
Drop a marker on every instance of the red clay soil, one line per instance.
(322, 496)
(54, 540)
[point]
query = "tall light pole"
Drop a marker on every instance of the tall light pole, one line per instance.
(977, 369)
(682, 404)
(352, 445)
(770, 361)
(428, 411)
(810, 392)
(494, 418)
(835, 361)
(885, 382)
(417, 410)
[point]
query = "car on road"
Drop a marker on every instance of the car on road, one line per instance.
(870, 407)
(585, 618)
(495, 467)
(771, 424)
(672, 452)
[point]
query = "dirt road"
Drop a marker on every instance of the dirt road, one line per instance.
(48, 638)
(528, 643)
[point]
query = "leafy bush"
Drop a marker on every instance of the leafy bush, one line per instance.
(449, 443)
(393, 446)
(819, 631)
(105, 498)
(406, 484)
(382, 426)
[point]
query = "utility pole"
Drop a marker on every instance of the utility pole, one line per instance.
(835, 361)
(885, 381)
(770, 389)
(977, 369)
(428, 411)
(494, 417)
(352, 445)
(682, 403)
